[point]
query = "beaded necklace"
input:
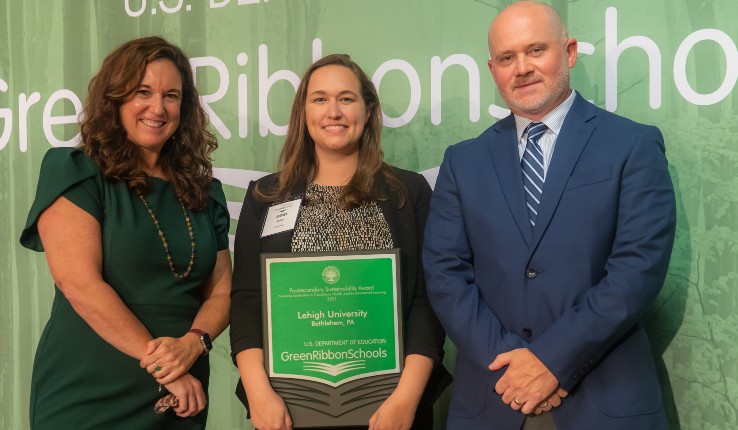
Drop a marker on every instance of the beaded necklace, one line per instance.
(164, 240)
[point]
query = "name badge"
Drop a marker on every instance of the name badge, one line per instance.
(281, 217)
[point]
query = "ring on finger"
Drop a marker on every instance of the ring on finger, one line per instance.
(544, 404)
(156, 367)
(517, 402)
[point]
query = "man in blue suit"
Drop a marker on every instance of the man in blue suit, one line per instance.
(548, 237)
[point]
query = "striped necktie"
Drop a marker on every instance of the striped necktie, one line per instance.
(532, 164)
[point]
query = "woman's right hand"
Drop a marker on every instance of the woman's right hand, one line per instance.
(190, 395)
(268, 411)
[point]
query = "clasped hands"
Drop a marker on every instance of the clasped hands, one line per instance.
(527, 385)
(169, 360)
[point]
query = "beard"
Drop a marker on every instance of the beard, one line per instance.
(551, 93)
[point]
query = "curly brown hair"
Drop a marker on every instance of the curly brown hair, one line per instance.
(185, 157)
(297, 159)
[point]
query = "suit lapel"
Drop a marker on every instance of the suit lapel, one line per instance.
(575, 134)
(503, 145)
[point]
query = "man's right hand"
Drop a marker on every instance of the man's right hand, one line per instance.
(554, 401)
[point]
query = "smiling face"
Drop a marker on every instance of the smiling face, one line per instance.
(151, 115)
(335, 112)
(530, 57)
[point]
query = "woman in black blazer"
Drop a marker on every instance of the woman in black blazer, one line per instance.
(351, 200)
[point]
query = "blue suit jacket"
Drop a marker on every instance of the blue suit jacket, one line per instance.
(573, 289)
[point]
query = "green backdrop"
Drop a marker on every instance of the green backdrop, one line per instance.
(672, 63)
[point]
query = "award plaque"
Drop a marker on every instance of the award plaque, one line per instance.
(332, 333)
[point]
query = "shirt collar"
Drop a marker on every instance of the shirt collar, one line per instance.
(553, 120)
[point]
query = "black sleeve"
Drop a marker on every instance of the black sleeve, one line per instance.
(246, 327)
(424, 333)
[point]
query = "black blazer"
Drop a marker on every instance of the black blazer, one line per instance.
(423, 333)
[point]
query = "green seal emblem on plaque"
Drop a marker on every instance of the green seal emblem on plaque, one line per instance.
(331, 274)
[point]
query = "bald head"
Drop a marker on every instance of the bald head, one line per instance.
(530, 57)
(521, 11)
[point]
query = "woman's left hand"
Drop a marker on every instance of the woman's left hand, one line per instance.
(394, 414)
(168, 358)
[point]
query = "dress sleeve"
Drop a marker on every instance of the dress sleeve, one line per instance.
(218, 213)
(64, 172)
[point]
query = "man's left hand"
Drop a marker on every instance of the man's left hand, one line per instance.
(526, 382)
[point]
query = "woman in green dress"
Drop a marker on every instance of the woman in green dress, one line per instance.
(135, 231)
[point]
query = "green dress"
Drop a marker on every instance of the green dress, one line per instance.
(79, 380)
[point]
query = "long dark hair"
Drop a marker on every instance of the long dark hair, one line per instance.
(185, 157)
(297, 162)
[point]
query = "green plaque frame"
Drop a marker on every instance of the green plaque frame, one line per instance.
(332, 324)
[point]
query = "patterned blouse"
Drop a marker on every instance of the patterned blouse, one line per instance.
(324, 226)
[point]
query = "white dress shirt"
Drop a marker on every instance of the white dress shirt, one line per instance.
(553, 120)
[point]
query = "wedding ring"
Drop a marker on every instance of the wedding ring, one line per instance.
(544, 404)
(156, 367)
(517, 402)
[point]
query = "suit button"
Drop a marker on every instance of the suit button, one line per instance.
(527, 332)
(531, 273)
